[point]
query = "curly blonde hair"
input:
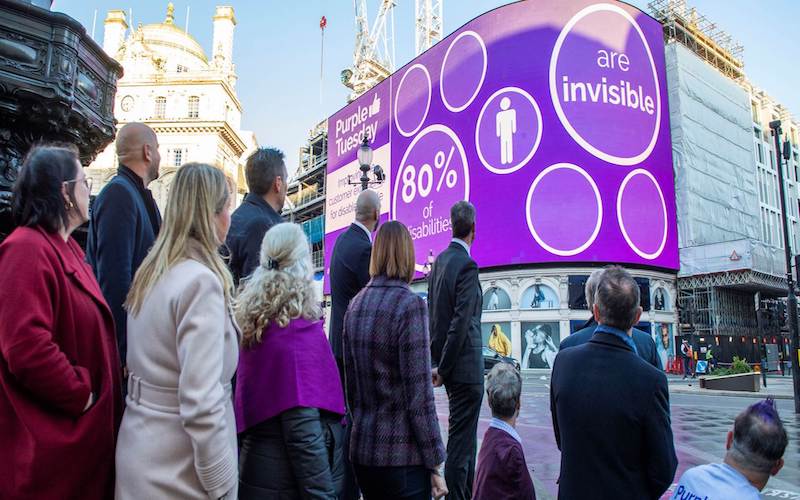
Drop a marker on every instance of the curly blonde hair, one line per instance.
(281, 288)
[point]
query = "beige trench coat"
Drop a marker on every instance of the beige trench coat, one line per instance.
(178, 434)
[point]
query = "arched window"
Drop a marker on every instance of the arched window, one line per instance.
(496, 298)
(194, 106)
(161, 107)
(661, 300)
(539, 297)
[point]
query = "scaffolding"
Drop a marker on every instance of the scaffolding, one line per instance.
(703, 37)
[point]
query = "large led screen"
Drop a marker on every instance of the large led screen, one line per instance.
(551, 117)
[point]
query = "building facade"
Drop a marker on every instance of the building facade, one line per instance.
(731, 284)
(188, 98)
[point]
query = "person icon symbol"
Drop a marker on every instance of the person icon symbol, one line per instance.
(506, 125)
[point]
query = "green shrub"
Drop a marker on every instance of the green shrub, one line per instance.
(739, 366)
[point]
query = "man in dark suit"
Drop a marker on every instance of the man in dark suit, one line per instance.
(454, 305)
(349, 270)
(349, 265)
(124, 222)
(644, 342)
(265, 173)
(620, 444)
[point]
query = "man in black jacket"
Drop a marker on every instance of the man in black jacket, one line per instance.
(349, 270)
(644, 342)
(124, 222)
(265, 173)
(610, 408)
(454, 305)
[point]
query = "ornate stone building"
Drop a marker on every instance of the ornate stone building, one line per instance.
(188, 98)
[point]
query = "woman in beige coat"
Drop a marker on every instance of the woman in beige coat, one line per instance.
(178, 434)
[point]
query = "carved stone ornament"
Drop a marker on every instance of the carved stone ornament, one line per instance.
(56, 85)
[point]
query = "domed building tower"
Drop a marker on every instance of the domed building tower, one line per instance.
(188, 98)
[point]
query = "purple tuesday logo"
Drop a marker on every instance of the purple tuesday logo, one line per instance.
(603, 84)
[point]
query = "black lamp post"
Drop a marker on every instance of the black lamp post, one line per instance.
(791, 299)
(365, 165)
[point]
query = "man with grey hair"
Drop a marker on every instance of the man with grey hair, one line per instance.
(610, 408)
(755, 452)
(349, 273)
(645, 346)
(502, 472)
(454, 306)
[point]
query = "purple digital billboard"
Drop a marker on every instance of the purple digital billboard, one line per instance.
(550, 117)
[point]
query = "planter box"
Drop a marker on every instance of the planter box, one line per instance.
(749, 382)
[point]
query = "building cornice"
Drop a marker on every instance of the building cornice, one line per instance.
(232, 138)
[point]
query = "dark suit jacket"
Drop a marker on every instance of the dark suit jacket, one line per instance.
(349, 270)
(620, 444)
(123, 225)
(502, 472)
(644, 342)
(454, 306)
(249, 223)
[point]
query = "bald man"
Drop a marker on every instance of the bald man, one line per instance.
(349, 274)
(124, 221)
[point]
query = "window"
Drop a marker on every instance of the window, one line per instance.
(182, 69)
(194, 106)
(760, 151)
(161, 107)
(754, 109)
(177, 157)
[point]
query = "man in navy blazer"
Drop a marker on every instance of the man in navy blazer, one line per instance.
(644, 342)
(349, 270)
(265, 173)
(349, 265)
(124, 222)
(610, 408)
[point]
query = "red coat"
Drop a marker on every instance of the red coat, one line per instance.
(56, 346)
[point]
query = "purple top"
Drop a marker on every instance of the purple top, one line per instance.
(291, 367)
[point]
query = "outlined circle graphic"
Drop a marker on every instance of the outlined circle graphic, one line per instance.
(397, 100)
(452, 141)
(537, 141)
(641, 253)
(554, 95)
(599, 202)
(442, 80)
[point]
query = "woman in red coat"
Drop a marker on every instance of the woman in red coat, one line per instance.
(60, 398)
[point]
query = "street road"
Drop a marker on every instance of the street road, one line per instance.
(699, 423)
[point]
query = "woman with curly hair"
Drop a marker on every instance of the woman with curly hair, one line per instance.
(288, 399)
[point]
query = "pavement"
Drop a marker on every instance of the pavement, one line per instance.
(778, 387)
(701, 420)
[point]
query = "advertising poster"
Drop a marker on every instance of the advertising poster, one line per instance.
(549, 116)
(665, 344)
(540, 343)
(487, 328)
(539, 297)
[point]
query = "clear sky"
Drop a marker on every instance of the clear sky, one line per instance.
(277, 49)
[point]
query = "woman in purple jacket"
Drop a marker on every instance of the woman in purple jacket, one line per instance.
(395, 446)
(289, 402)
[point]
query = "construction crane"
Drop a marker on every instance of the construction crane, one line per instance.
(373, 59)
(428, 15)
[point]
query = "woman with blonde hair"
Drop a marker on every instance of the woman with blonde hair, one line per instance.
(396, 445)
(289, 400)
(178, 434)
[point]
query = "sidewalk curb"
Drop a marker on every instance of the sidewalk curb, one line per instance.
(738, 394)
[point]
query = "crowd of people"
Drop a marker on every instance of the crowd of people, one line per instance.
(187, 357)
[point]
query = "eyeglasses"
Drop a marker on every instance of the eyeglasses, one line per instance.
(87, 181)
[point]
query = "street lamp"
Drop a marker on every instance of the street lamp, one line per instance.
(365, 165)
(791, 299)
